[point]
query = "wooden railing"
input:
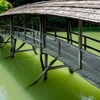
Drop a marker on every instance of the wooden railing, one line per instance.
(84, 43)
(25, 31)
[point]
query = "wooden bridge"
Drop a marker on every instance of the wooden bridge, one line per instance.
(76, 58)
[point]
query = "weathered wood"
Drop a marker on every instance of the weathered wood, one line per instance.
(45, 64)
(68, 56)
(57, 67)
(84, 10)
(24, 25)
(18, 25)
(69, 35)
(20, 47)
(59, 48)
(80, 44)
(33, 33)
(85, 43)
(12, 39)
(41, 39)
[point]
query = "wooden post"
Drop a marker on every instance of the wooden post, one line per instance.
(45, 65)
(33, 33)
(42, 43)
(41, 40)
(69, 35)
(55, 32)
(85, 43)
(18, 25)
(11, 35)
(24, 26)
(42, 31)
(59, 48)
(80, 44)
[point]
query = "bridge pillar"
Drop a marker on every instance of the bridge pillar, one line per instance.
(80, 44)
(44, 63)
(13, 41)
(69, 35)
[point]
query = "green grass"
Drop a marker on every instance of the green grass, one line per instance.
(95, 35)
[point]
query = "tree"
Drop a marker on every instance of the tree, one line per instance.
(4, 5)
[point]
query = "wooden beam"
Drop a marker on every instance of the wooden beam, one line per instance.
(45, 64)
(69, 36)
(11, 35)
(24, 25)
(33, 33)
(18, 24)
(80, 44)
(42, 30)
(42, 41)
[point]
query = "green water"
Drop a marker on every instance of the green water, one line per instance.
(17, 73)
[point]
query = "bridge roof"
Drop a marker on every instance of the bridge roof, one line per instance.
(84, 10)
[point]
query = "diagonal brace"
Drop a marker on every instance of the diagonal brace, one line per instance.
(20, 47)
(7, 41)
(34, 49)
(43, 73)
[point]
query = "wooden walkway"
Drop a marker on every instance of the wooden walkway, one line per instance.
(66, 53)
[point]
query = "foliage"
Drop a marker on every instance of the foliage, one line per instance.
(4, 5)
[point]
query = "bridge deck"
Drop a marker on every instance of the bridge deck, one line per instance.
(68, 55)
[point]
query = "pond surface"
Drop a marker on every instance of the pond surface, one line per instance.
(17, 73)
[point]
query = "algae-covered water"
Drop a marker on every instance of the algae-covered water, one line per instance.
(17, 73)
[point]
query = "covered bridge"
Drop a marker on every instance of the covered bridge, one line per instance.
(76, 58)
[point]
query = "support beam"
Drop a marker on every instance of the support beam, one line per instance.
(33, 33)
(20, 47)
(42, 38)
(80, 44)
(43, 73)
(45, 64)
(24, 25)
(69, 35)
(11, 35)
(18, 24)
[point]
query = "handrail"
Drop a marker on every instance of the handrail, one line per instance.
(73, 41)
(86, 37)
(58, 36)
(32, 30)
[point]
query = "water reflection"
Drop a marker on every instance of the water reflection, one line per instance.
(60, 85)
(4, 94)
(87, 98)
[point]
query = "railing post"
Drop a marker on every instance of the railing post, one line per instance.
(24, 25)
(85, 43)
(80, 44)
(59, 48)
(33, 33)
(55, 32)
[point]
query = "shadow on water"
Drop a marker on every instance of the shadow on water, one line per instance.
(60, 85)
